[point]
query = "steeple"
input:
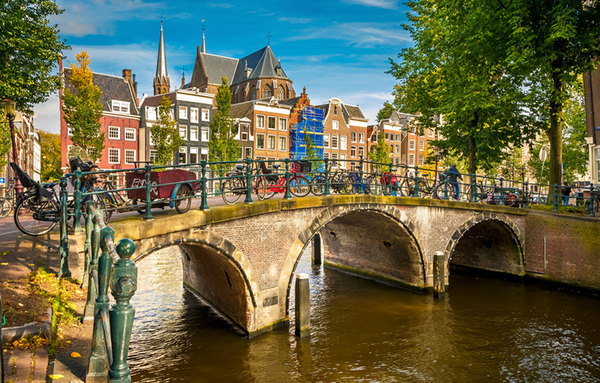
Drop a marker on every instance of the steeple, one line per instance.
(161, 82)
(203, 40)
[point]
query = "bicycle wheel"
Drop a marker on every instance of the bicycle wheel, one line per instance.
(299, 186)
(318, 185)
(424, 189)
(183, 198)
(34, 217)
(375, 187)
(5, 207)
(231, 190)
(345, 184)
(264, 189)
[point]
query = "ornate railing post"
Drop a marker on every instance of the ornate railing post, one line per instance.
(501, 191)
(446, 187)
(327, 191)
(94, 215)
(416, 189)
(362, 185)
(123, 286)
(148, 212)
(526, 195)
(204, 201)
(555, 198)
(78, 196)
(592, 212)
(248, 181)
(474, 188)
(287, 194)
(64, 235)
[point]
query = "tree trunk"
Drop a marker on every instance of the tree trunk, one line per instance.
(472, 147)
(555, 134)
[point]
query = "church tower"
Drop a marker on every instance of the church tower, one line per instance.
(161, 82)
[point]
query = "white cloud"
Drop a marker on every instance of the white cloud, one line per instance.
(48, 115)
(358, 34)
(385, 4)
(295, 20)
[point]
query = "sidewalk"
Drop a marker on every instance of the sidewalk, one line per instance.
(24, 256)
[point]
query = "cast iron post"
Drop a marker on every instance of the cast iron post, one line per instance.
(94, 215)
(416, 189)
(327, 191)
(204, 203)
(362, 186)
(474, 188)
(77, 226)
(64, 235)
(526, 195)
(287, 194)
(11, 122)
(248, 181)
(501, 191)
(148, 212)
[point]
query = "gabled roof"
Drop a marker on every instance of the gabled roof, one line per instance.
(216, 67)
(241, 110)
(354, 111)
(155, 100)
(348, 111)
(112, 87)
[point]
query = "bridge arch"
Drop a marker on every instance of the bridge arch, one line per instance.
(490, 242)
(397, 234)
(219, 272)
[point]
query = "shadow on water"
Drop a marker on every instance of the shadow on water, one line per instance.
(485, 330)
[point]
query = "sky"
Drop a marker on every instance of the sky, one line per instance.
(334, 48)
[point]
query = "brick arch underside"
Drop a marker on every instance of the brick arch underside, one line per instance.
(489, 244)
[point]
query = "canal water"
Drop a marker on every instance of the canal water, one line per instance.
(486, 330)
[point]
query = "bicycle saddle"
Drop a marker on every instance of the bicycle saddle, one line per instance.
(49, 185)
(239, 167)
(275, 166)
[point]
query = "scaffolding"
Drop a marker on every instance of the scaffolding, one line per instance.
(310, 125)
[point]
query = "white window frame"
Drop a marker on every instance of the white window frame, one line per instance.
(411, 144)
(204, 134)
(411, 160)
(205, 114)
(326, 141)
(283, 124)
(353, 136)
(130, 131)
(342, 162)
(194, 115)
(111, 130)
(194, 128)
(246, 149)
(184, 136)
(430, 132)
(335, 140)
(336, 125)
(130, 151)
(183, 150)
(269, 119)
(151, 113)
(374, 138)
(152, 155)
(361, 151)
(244, 136)
(343, 142)
(258, 120)
(361, 138)
(183, 112)
(421, 145)
(353, 151)
(193, 150)
(282, 139)
(118, 155)
(258, 137)
(69, 131)
(118, 106)
(392, 137)
(274, 137)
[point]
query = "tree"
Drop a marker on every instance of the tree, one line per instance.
(549, 45)
(222, 145)
(82, 109)
(457, 69)
(385, 111)
(51, 166)
(29, 50)
(5, 142)
(380, 154)
(165, 134)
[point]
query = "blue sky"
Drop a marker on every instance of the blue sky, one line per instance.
(336, 48)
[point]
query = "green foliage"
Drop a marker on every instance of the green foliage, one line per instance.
(380, 154)
(385, 111)
(222, 145)
(165, 134)
(5, 141)
(51, 165)
(83, 109)
(29, 49)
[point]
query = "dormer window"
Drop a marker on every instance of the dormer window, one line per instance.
(120, 106)
(335, 110)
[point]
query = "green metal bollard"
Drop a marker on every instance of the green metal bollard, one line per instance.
(123, 286)
(327, 191)
(287, 194)
(148, 212)
(362, 185)
(93, 286)
(204, 201)
(525, 194)
(64, 235)
(592, 213)
(474, 197)
(87, 250)
(416, 189)
(555, 198)
(248, 199)
(78, 197)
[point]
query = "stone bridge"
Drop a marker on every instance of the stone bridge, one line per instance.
(242, 258)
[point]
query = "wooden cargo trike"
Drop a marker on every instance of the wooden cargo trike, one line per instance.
(178, 194)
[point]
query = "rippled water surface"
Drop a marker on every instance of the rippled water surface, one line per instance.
(362, 331)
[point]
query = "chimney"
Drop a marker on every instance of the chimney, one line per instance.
(133, 84)
(127, 75)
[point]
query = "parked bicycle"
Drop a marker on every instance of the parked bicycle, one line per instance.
(422, 184)
(7, 202)
(236, 184)
(271, 182)
(339, 181)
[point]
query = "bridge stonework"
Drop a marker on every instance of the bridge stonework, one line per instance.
(242, 258)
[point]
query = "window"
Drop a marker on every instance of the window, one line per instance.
(411, 160)
(253, 93)
(334, 141)
(421, 160)
(193, 155)
(120, 106)
(244, 136)
(430, 132)
(336, 124)
(397, 149)
(203, 154)
(183, 112)
(248, 152)
(361, 151)
(271, 142)
(260, 141)
(150, 140)
(69, 131)
(353, 137)
(326, 140)
(361, 138)
(280, 93)
(282, 144)
(334, 156)
(411, 144)
(343, 143)
(267, 92)
(272, 122)
(194, 114)
(183, 155)
(374, 138)
(397, 137)
(153, 154)
(183, 131)
(204, 137)
(271, 162)
(421, 145)
(129, 156)
(194, 133)
(260, 122)
(343, 163)
(114, 156)
(114, 132)
(326, 155)
(129, 134)
(205, 115)
(335, 110)
(282, 124)
(392, 137)
(353, 152)
(151, 113)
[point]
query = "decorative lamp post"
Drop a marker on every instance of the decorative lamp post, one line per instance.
(9, 107)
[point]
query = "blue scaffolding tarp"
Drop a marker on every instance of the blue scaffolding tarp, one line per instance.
(310, 124)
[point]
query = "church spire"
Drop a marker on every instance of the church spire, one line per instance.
(161, 83)
(203, 40)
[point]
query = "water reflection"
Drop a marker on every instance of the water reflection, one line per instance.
(364, 331)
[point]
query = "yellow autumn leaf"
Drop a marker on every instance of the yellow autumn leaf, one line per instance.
(31, 264)
(75, 355)
(57, 376)
(4, 264)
